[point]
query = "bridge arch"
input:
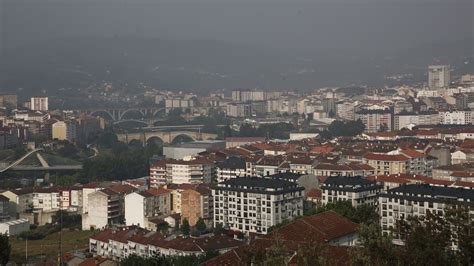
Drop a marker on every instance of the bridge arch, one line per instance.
(104, 114)
(136, 142)
(154, 140)
(134, 113)
(181, 138)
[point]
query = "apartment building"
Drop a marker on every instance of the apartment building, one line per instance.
(119, 244)
(190, 170)
(375, 120)
(39, 104)
(140, 206)
(439, 76)
(241, 109)
(385, 164)
(105, 209)
(457, 117)
(254, 204)
(4, 208)
(406, 119)
(419, 199)
(65, 130)
(230, 168)
(197, 203)
(355, 189)
(352, 169)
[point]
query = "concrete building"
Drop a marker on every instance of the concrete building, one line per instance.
(182, 103)
(406, 119)
(197, 203)
(64, 130)
(39, 104)
(4, 208)
(439, 76)
(253, 204)
(105, 209)
(352, 169)
(384, 164)
(230, 168)
(418, 199)
(8, 138)
(190, 170)
(457, 117)
(375, 120)
(355, 189)
(239, 109)
(121, 243)
(345, 110)
(141, 206)
(14, 227)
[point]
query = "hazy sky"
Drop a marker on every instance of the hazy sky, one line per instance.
(305, 26)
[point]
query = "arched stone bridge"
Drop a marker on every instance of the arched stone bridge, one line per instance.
(166, 136)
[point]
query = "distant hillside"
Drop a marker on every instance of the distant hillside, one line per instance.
(205, 65)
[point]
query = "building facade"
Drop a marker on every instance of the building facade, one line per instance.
(253, 205)
(355, 189)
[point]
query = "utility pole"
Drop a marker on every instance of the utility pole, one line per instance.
(26, 251)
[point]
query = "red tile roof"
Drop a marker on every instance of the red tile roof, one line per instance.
(385, 157)
(314, 193)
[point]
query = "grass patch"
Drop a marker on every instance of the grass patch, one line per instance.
(49, 246)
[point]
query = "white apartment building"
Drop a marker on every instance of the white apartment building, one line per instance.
(239, 109)
(253, 204)
(39, 104)
(179, 103)
(190, 170)
(31, 116)
(353, 169)
(230, 168)
(456, 117)
(345, 110)
(374, 120)
(439, 76)
(405, 120)
(119, 244)
(355, 189)
(142, 205)
(418, 199)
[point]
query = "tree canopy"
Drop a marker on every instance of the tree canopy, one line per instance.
(5, 249)
(343, 129)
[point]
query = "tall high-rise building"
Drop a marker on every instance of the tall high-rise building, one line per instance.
(438, 76)
(39, 103)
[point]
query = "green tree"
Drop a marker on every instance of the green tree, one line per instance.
(5, 249)
(427, 240)
(346, 129)
(257, 255)
(375, 248)
(313, 252)
(185, 228)
(218, 229)
(363, 213)
(462, 230)
(200, 225)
